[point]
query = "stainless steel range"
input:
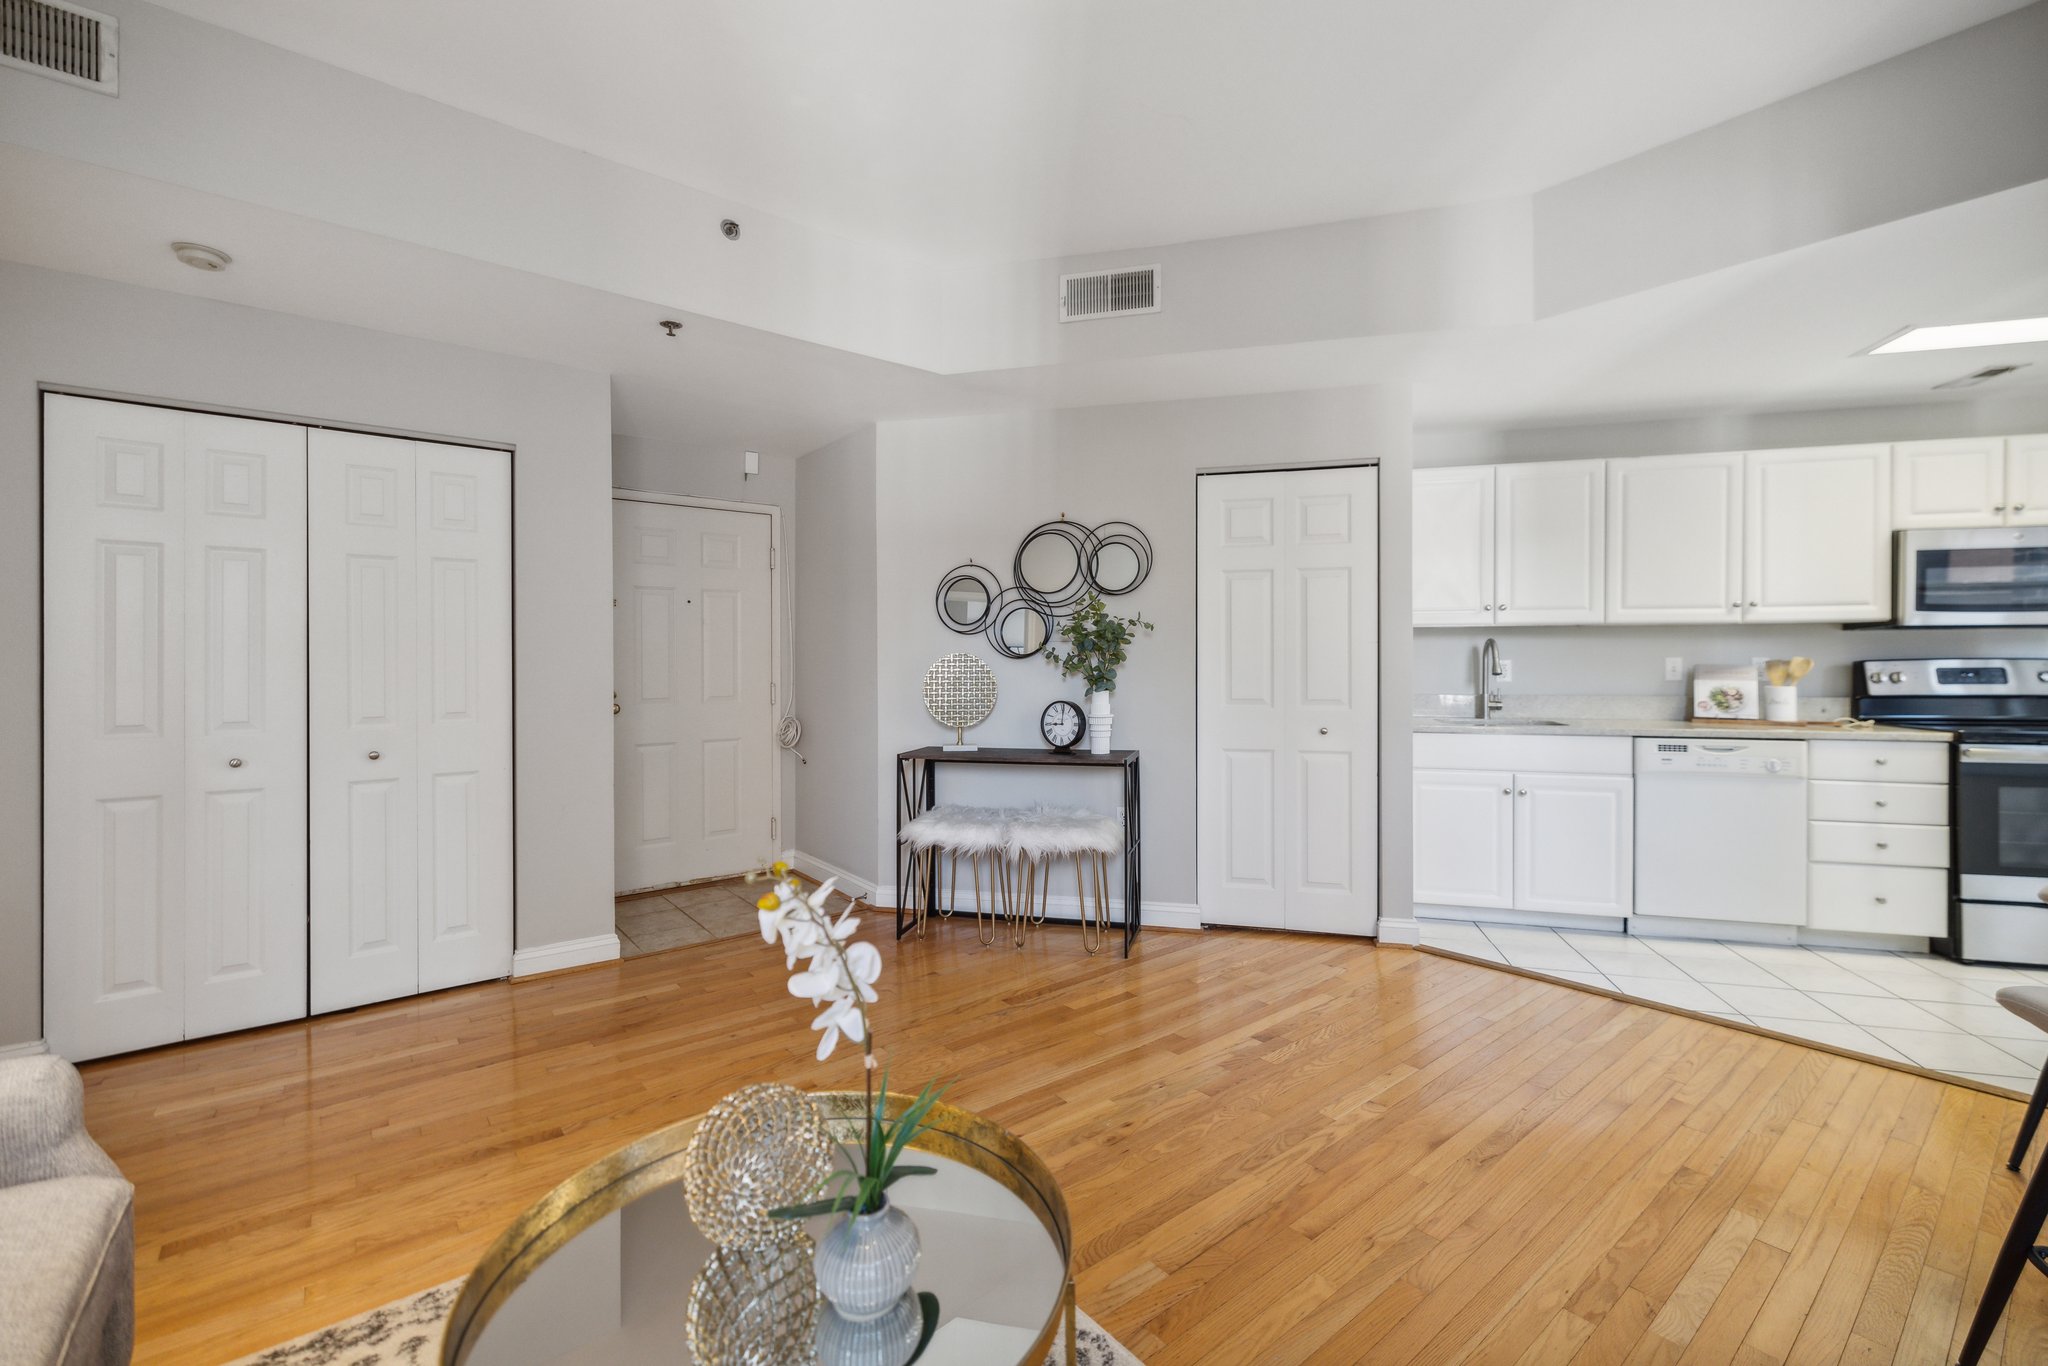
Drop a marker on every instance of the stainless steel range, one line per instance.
(1998, 709)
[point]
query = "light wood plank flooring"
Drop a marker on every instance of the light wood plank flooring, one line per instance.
(1277, 1149)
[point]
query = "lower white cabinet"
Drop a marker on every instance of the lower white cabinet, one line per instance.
(1552, 830)
(1464, 838)
(1868, 899)
(1574, 843)
(1879, 849)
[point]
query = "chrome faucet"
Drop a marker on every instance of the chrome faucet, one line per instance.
(1488, 700)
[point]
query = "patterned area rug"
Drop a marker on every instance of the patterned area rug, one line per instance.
(407, 1332)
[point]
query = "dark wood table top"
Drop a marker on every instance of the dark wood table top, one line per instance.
(989, 754)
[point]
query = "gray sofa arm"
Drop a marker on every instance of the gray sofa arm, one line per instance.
(42, 1124)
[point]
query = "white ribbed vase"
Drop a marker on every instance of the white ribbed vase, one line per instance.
(1099, 722)
(866, 1263)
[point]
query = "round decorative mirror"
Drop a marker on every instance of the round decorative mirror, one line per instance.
(960, 691)
(1052, 560)
(1020, 623)
(965, 596)
(1120, 560)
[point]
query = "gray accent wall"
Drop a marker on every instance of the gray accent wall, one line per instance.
(72, 331)
(953, 489)
(836, 656)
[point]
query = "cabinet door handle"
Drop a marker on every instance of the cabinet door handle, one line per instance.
(234, 763)
(1523, 792)
(1880, 803)
(1880, 901)
(1502, 607)
(1880, 763)
(1999, 508)
(375, 754)
(1882, 845)
(1752, 602)
(1507, 792)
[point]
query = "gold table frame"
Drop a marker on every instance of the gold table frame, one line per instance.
(618, 1179)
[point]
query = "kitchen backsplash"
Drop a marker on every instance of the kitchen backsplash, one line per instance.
(1628, 661)
(1602, 706)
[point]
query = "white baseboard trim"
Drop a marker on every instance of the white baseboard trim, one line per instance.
(853, 884)
(34, 1048)
(566, 953)
(1393, 931)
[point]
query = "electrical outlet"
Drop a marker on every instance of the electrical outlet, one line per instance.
(1674, 669)
(1507, 670)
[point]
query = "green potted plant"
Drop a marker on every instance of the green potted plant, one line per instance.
(1097, 643)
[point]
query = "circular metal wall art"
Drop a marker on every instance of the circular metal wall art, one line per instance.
(965, 598)
(1121, 559)
(960, 691)
(1052, 562)
(1020, 623)
(762, 1147)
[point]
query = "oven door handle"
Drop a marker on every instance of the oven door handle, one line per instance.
(2004, 754)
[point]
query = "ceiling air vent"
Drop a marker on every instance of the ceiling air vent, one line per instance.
(1109, 293)
(59, 40)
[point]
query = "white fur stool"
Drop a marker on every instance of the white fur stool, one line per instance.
(1040, 838)
(977, 833)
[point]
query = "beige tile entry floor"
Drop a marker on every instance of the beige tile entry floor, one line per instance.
(1897, 1007)
(649, 922)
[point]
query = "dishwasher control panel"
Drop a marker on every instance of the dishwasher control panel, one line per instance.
(1746, 758)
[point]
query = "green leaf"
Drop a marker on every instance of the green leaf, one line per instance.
(897, 1173)
(812, 1208)
(928, 1306)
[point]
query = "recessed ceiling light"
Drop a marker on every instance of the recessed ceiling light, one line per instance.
(1950, 336)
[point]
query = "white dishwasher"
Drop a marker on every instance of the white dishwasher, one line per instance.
(1721, 830)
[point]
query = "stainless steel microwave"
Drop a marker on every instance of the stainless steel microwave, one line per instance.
(1973, 576)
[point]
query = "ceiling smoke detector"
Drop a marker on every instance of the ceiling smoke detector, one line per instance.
(731, 228)
(201, 257)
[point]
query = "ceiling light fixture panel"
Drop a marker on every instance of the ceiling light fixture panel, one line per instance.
(1953, 336)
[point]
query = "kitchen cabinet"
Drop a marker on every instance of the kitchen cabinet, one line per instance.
(1525, 823)
(1549, 543)
(1878, 838)
(1948, 483)
(1464, 838)
(1674, 538)
(1453, 554)
(1817, 534)
(2026, 481)
(1574, 843)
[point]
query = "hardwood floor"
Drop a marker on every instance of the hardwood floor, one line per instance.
(1276, 1149)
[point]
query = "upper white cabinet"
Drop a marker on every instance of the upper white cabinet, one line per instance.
(1453, 523)
(1948, 483)
(2026, 481)
(1816, 534)
(1674, 538)
(1549, 539)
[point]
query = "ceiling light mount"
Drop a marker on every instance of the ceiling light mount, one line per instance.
(670, 326)
(731, 228)
(1988, 373)
(201, 257)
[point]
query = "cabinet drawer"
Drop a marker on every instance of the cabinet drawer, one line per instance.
(1882, 803)
(1902, 846)
(1864, 899)
(1878, 761)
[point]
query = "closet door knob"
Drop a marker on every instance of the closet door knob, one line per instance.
(375, 755)
(1325, 730)
(234, 763)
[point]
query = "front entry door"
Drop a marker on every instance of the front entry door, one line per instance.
(1288, 699)
(693, 748)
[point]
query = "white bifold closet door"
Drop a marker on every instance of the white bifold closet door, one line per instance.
(410, 654)
(1287, 678)
(174, 755)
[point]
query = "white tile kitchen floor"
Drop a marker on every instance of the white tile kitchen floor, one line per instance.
(1900, 1007)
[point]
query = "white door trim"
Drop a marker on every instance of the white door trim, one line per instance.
(777, 617)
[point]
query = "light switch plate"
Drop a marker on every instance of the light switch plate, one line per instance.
(1674, 669)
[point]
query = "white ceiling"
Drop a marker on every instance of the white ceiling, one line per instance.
(984, 129)
(1783, 332)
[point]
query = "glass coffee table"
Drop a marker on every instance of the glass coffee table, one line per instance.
(599, 1271)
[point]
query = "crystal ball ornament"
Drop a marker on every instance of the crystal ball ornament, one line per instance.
(756, 1306)
(762, 1147)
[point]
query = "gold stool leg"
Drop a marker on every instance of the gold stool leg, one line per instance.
(1091, 938)
(989, 935)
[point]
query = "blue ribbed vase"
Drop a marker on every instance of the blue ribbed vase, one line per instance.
(866, 1262)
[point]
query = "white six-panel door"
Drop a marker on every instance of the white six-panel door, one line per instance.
(1287, 675)
(410, 718)
(692, 646)
(174, 721)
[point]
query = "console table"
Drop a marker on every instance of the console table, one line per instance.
(917, 791)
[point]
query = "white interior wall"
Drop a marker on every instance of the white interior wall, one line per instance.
(835, 660)
(649, 465)
(1629, 660)
(960, 488)
(69, 330)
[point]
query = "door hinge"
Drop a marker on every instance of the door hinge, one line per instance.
(772, 822)
(771, 694)
(771, 557)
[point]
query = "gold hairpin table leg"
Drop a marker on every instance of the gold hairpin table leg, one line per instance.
(1073, 1328)
(989, 936)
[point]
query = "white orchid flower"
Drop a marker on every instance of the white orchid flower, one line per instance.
(837, 973)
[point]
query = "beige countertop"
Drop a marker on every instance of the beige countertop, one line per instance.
(1753, 730)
